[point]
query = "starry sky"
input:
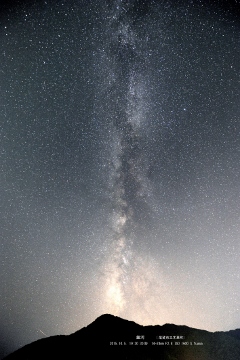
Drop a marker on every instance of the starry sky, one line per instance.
(120, 171)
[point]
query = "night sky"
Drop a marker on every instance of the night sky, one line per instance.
(120, 164)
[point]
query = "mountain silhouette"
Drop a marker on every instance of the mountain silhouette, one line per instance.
(111, 337)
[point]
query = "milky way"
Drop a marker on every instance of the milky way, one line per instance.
(126, 114)
(120, 144)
